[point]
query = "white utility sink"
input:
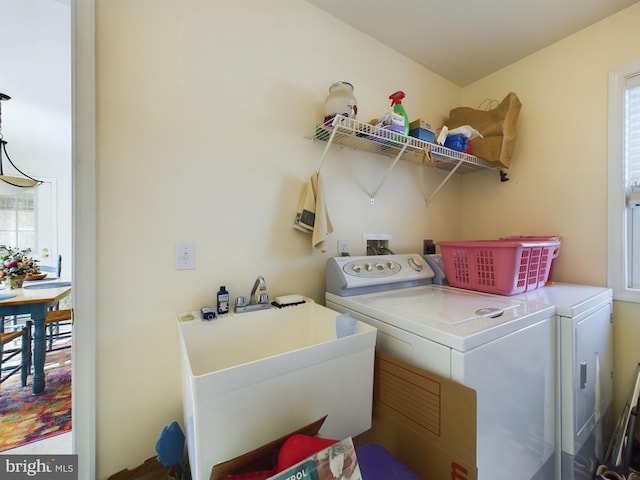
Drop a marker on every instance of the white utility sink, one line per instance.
(252, 377)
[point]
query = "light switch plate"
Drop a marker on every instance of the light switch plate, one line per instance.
(185, 255)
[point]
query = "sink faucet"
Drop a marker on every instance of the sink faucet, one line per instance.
(256, 301)
(258, 283)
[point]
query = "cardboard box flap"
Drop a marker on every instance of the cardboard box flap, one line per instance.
(427, 421)
(262, 457)
(433, 406)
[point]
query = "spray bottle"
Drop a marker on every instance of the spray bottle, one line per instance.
(396, 103)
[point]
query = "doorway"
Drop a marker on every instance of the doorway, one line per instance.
(37, 120)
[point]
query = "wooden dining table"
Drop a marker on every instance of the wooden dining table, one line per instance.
(35, 299)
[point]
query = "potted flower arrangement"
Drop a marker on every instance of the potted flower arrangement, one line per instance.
(16, 264)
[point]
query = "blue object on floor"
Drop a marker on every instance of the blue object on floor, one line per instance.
(376, 463)
(170, 446)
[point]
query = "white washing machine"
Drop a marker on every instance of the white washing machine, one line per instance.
(502, 347)
(585, 373)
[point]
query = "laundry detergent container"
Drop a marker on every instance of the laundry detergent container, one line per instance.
(250, 378)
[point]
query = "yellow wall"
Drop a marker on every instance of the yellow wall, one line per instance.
(559, 172)
(626, 355)
(202, 111)
(203, 107)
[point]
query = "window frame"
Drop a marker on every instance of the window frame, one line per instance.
(17, 232)
(45, 248)
(619, 234)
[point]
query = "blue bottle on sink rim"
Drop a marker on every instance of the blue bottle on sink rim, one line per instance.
(222, 301)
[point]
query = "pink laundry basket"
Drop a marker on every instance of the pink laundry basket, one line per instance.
(506, 267)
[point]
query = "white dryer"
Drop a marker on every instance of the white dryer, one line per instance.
(502, 347)
(585, 373)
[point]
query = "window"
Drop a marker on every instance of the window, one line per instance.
(28, 219)
(624, 183)
(18, 219)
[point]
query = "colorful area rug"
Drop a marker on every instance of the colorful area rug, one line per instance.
(27, 418)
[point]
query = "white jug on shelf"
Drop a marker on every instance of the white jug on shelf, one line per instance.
(340, 101)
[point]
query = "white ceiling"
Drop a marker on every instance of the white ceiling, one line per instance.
(465, 40)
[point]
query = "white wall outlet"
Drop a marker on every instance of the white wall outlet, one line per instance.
(185, 255)
(343, 247)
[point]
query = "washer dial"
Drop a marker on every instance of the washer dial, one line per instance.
(372, 269)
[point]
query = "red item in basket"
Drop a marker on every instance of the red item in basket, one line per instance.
(294, 449)
(298, 447)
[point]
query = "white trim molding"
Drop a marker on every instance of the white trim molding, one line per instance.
(618, 231)
(84, 235)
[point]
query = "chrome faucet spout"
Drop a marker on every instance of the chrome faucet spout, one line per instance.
(256, 301)
(259, 283)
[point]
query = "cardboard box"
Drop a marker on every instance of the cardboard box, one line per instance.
(426, 421)
(419, 123)
(262, 457)
(422, 130)
(422, 134)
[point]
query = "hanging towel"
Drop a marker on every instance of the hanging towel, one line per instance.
(322, 227)
(312, 216)
(306, 212)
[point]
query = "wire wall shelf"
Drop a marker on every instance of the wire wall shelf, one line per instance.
(348, 132)
(352, 133)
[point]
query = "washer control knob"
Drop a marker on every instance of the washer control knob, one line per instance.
(356, 268)
(368, 267)
(380, 266)
(416, 264)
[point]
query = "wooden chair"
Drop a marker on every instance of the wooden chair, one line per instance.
(57, 268)
(54, 324)
(57, 318)
(8, 352)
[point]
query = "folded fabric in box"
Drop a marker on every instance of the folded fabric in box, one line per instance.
(375, 462)
(457, 142)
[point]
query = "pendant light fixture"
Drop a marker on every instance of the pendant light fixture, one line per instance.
(23, 182)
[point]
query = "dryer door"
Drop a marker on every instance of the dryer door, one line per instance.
(592, 367)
